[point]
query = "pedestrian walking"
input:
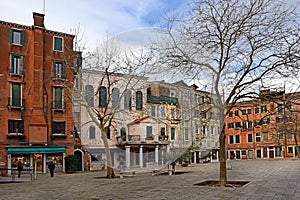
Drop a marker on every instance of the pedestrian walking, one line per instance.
(51, 167)
(122, 164)
(20, 168)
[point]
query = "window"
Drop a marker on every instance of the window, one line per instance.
(58, 98)
(256, 110)
(15, 126)
(163, 131)
(244, 112)
(212, 130)
(237, 139)
(290, 150)
(17, 37)
(115, 97)
(212, 143)
(186, 134)
(58, 127)
(139, 100)
(162, 112)
(279, 108)
(108, 133)
(230, 125)
(16, 95)
(127, 99)
(196, 113)
(57, 43)
(263, 108)
(288, 105)
(237, 125)
(102, 97)
(231, 139)
(89, 95)
(250, 138)
(266, 136)
(203, 114)
(149, 132)
(257, 137)
(236, 112)
(280, 136)
(172, 133)
(153, 111)
(123, 134)
(16, 66)
(203, 130)
(230, 114)
(92, 132)
(249, 111)
(202, 99)
(58, 70)
(247, 125)
(196, 129)
(289, 135)
(76, 104)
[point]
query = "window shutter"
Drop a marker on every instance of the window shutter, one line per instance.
(63, 74)
(10, 126)
(22, 126)
(21, 65)
(16, 94)
(11, 35)
(22, 37)
(63, 128)
(12, 62)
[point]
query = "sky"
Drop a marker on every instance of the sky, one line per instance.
(97, 19)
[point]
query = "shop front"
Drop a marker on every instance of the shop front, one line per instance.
(36, 157)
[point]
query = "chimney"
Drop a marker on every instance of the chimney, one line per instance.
(38, 19)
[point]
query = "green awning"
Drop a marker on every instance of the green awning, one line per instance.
(32, 150)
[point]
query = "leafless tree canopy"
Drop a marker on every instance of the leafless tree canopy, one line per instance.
(234, 46)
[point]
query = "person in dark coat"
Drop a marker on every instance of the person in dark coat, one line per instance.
(20, 168)
(51, 167)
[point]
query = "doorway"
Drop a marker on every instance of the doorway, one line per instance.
(38, 159)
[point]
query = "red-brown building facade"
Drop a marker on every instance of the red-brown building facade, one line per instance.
(266, 127)
(36, 84)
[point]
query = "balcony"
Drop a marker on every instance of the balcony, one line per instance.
(165, 99)
(16, 103)
(58, 136)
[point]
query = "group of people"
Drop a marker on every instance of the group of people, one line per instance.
(51, 167)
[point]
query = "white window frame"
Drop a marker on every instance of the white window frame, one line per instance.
(62, 44)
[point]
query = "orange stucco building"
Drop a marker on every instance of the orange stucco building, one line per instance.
(36, 85)
(266, 127)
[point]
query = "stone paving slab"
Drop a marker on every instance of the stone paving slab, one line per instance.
(269, 179)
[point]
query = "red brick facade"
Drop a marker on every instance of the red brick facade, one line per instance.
(36, 86)
(264, 128)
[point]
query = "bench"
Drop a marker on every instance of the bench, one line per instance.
(127, 173)
(159, 171)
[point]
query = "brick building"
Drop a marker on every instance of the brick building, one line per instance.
(266, 127)
(36, 83)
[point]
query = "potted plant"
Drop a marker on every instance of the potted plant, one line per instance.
(70, 163)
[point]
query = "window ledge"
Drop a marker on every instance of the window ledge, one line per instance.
(15, 136)
(16, 74)
(58, 136)
(59, 110)
(15, 107)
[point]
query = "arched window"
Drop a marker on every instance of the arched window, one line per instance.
(127, 99)
(89, 95)
(139, 100)
(102, 96)
(115, 97)
(123, 134)
(92, 132)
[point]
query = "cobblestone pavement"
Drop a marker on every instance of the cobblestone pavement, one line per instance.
(268, 179)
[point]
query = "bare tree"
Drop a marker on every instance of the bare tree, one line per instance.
(114, 68)
(234, 46)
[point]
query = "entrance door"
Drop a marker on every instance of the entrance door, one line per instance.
(78, 155)
(38, 159)
(250, 154)
(271, 153)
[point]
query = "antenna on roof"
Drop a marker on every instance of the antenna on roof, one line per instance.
(44, 6)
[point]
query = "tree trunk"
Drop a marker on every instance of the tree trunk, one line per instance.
(110, 171)
(223, 170)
